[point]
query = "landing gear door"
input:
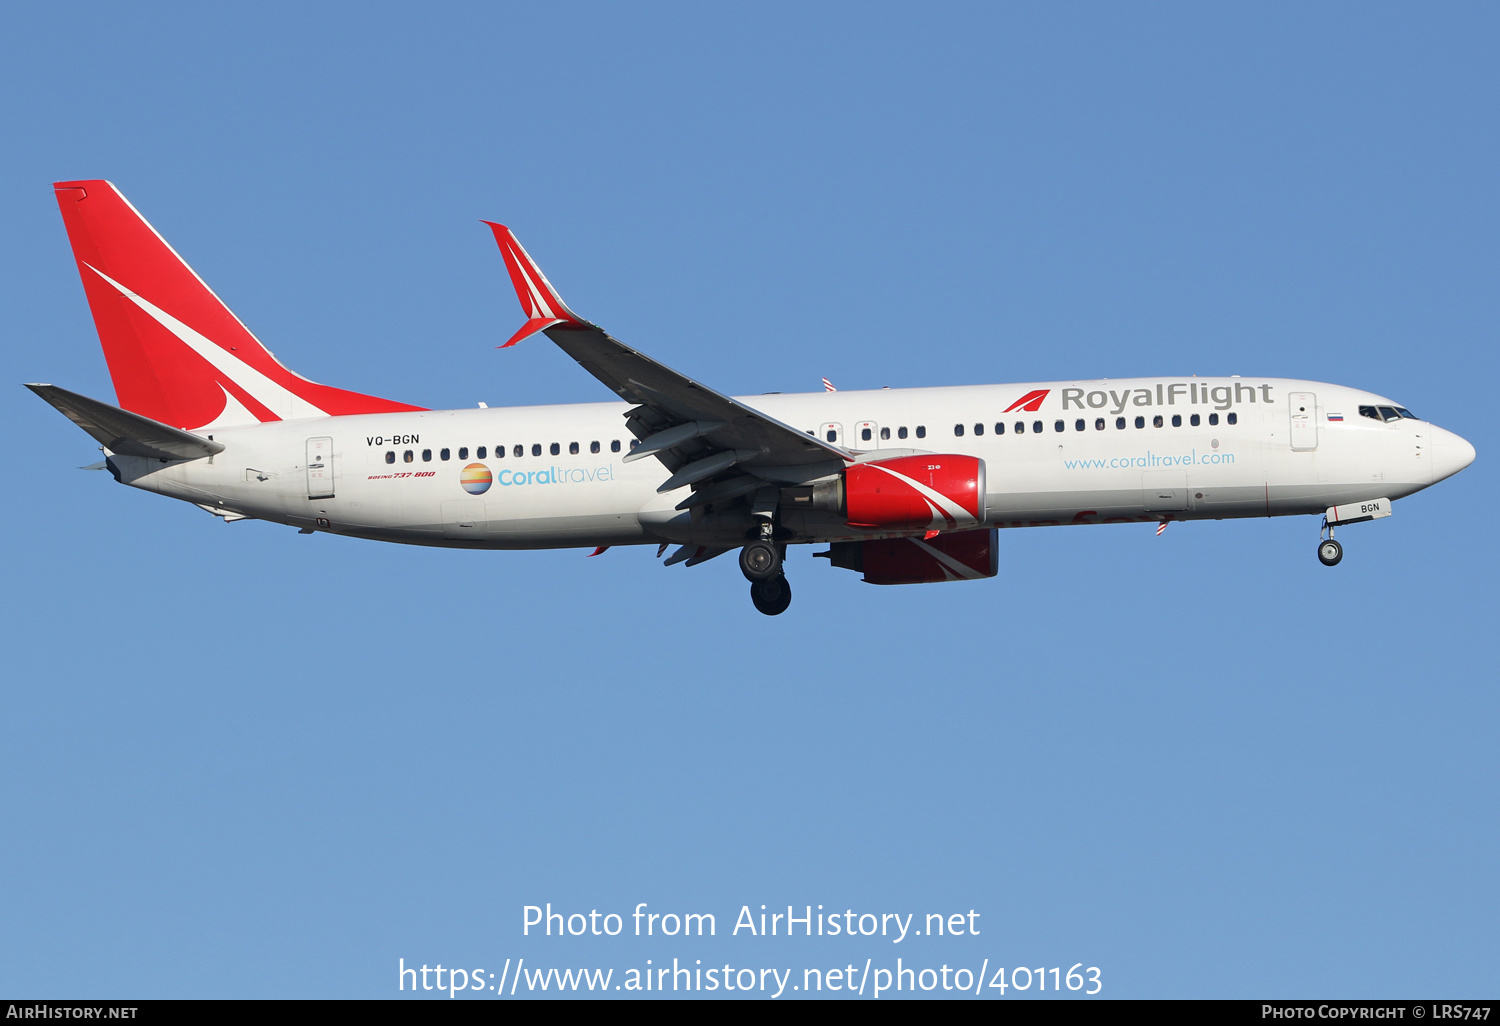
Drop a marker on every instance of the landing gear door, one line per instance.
(1304, 411)
(320, 468)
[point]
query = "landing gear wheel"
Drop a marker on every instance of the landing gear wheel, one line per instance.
(771, 597)
(1330, 552)
(760, 561)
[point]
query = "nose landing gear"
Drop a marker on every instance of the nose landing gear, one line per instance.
(1329, 551)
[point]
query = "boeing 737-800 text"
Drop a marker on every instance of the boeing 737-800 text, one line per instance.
(903, 485)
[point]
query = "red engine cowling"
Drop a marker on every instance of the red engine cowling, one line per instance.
(963, 556)
(939, 492)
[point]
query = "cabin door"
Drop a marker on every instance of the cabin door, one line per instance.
(320, 468)
(1304, 411)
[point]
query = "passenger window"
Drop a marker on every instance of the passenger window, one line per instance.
(1156, 421)
(1058, 425)
(979, 429)
(1233, 418)
(1369, 411)
(1079, 425)
(999, 427)
(833, 436)
(614, 446)
(635, 443)
(1020, 427)
(572, 448)
(406, 456)
(864, 434)
(463, 452)
(390, 457)
(1213, 418)
(536, 448)
(445, 455)
(1177, 420)
(921, 431)
(1120, 423)
(1140, 422)
(518, 451)
(555, 449)
(1099, 424)
(426, 455)
(885, 434)
(480, 452)
(1195, 420)
(901, 432)
(958, 430)
(593, 447)
(1036, 427)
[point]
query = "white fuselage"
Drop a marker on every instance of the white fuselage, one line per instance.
(401, 477)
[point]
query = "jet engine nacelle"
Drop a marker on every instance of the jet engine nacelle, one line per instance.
(938, 492)
(962, 556)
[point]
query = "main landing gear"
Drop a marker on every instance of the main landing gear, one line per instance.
(771, 597)
(761, 563)
(1329, 551)
(760, 560)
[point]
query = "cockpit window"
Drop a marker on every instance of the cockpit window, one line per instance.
(1406, 413)
(1388, 414)
(1369, 411)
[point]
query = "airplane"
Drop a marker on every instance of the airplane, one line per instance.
(904, 486)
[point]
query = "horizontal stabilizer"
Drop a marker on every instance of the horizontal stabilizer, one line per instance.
(126, 433)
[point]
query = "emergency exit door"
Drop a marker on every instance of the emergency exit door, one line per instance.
(1304, 413)
(320, 468)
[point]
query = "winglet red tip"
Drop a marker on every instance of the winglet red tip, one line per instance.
(543, 306)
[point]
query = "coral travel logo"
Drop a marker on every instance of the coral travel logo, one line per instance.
(476, 479)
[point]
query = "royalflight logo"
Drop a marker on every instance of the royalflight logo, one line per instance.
(1030, 402)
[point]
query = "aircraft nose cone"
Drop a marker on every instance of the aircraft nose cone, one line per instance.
(1450, 454)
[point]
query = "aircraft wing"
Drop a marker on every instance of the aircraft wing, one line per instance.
(703, 437)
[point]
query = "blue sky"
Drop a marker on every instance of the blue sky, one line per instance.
(242, 762)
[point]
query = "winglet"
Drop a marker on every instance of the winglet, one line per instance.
(544, 307)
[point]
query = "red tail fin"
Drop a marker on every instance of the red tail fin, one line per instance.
(176, 353)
